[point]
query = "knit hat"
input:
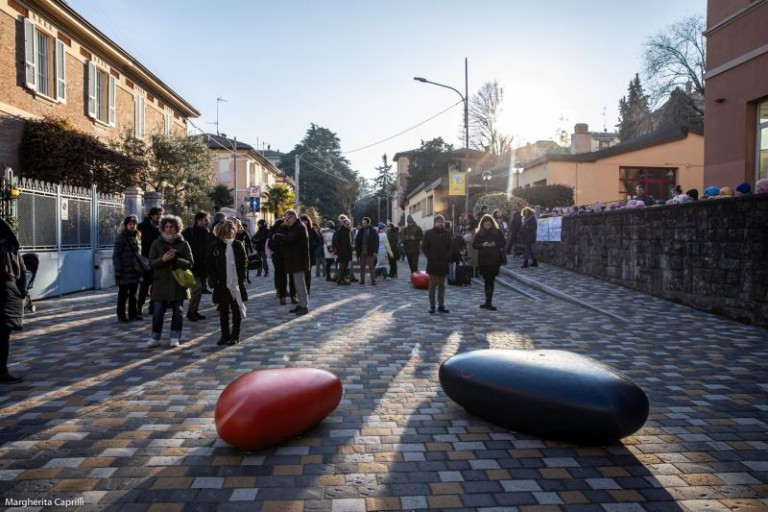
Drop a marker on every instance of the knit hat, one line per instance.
(382, 225)
(726, 191)
(129, 219)
(743, 188)
(439, 217)
(711, 191)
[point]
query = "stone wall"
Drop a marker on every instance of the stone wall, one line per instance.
(711, 255)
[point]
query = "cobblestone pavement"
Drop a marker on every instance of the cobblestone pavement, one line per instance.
(108, 424)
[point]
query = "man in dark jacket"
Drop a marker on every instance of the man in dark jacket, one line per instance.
(13, 289)
(150, 231)
(342, 247)
(437, 246)
(296, 254)
(515, 225)
(199, 239)
(411, 236)
(260, 245)
(366, 247)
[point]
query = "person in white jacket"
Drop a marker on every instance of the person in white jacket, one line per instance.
(384, 253)
(327, 233)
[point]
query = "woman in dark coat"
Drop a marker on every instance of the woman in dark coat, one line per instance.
(128, 276)
(489, 242)
(342, 247)
(226, 269)
(528, 236)
(283, 282)
(13, 289)
(260, 245)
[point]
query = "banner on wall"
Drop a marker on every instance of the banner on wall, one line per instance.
(549, 229)
(456, 183)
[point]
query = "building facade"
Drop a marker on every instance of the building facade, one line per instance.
(247, 172)
(53, 62)
(736, 102)
(658, 161)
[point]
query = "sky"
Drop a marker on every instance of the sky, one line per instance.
(348, 65)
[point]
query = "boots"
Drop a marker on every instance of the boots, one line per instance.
(525, 264)
(535, 263)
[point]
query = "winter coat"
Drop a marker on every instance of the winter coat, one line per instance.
(437, 246)
(260, 238)
(528, 232)
(199, 240)
(342, 243)
(315, 241)
(164, 285)
(489, 256)
(327, 234)
(149, 233)
(243, 238)
(393, 235)
(12, 291)
(371, 244)
(295, 248)
(411, 235)
(124, 258)
(515, 224)
(216, 270)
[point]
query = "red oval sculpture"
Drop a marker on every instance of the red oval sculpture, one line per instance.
(268, 407)
(420, 280)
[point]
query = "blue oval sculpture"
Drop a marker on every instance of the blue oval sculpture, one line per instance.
(551, 394)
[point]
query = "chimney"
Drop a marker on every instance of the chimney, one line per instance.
(581, 141)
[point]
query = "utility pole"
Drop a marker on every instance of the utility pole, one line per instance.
(234, 157)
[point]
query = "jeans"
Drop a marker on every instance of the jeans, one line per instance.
(529, 252)
(158, 316)
(127, 293)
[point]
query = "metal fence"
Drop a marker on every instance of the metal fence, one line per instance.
(71, 229)
(60, 217)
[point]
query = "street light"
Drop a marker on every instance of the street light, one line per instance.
(296, 173)
(465, 99)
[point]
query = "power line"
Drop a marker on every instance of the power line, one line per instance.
(404, 131)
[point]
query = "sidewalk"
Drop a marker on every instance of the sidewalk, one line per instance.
(111, 425)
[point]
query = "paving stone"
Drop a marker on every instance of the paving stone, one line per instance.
(126, 428)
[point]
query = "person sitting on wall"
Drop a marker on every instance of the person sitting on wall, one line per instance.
(640, 195)
(761, 187)
(743, 189)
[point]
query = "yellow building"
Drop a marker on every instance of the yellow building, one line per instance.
(658, 161)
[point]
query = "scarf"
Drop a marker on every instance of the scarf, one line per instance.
(232, 283)
(170, 238)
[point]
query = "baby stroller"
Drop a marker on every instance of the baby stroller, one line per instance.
(32, 262)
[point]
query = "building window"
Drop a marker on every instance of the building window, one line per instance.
(762, 141)
(101, 95)
(45, 61)
(167, 122)
(657, 181)
(430, 205)
(138, 131)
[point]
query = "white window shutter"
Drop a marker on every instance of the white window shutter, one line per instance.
(30, 54)
(112, 91)
(91, 89)
(61, 72)
(139, 116)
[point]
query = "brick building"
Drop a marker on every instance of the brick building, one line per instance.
(53, 62)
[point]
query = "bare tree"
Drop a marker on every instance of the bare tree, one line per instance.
(675, 58)
(484, 111)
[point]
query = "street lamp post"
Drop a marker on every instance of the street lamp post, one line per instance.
(465, 99)
(296, 174)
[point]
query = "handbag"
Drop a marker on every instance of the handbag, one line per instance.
(184, 277)
(143, 263)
